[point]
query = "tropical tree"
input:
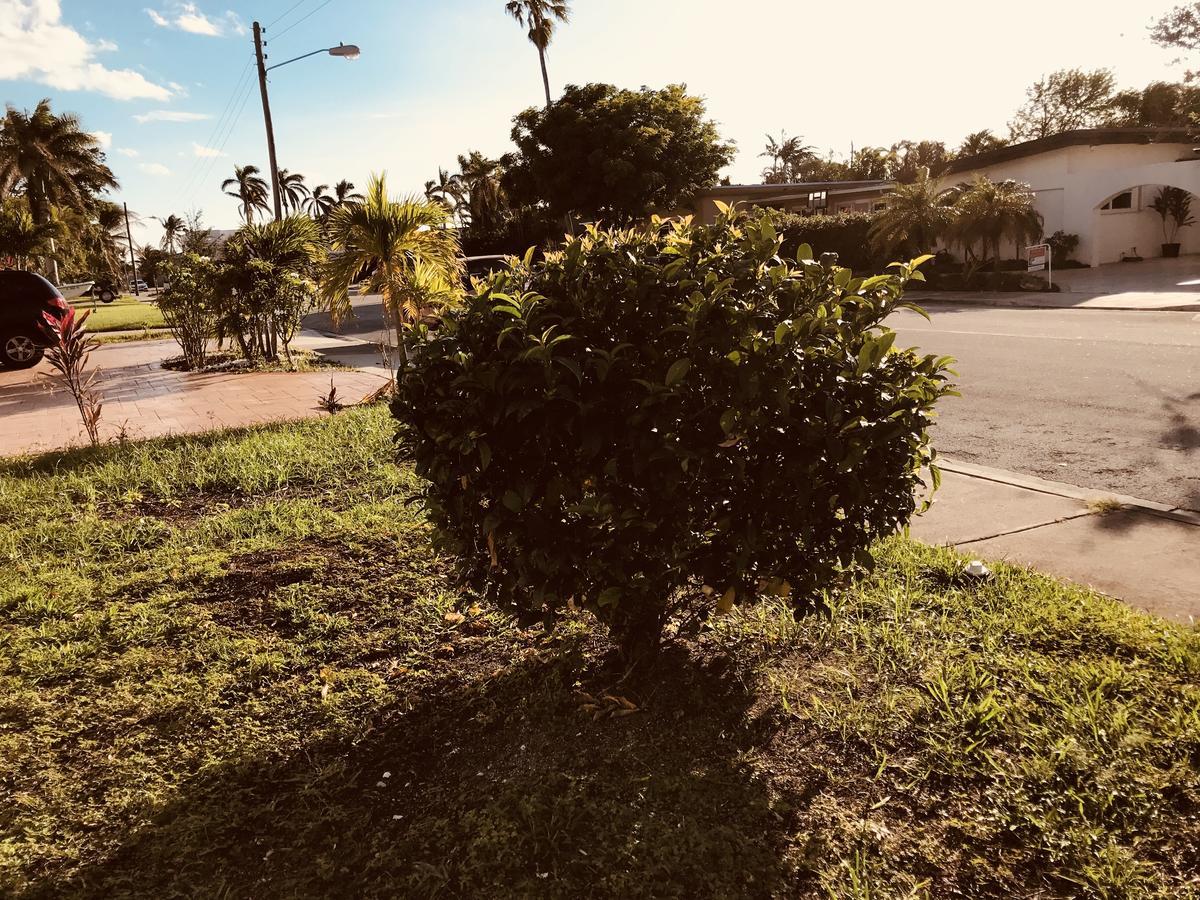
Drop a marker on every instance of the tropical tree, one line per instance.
(21, 238)
(987, 212)
(541, 16)
(173, 230)
(915, 216)
(979, 142)
(789, 158)
(52, 159)
(250, 189)
(448, 190)
(320, 202)
(482, 198)
(344, 192)
(292, 190)
(413, 260)
(1066, 100)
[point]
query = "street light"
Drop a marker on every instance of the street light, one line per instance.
(345, 51)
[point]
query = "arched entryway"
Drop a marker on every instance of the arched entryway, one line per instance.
(1125, 224)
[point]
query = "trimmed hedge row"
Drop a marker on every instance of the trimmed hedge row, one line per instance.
(846, 234)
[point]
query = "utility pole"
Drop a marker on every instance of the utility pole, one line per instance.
(262, 86)
(132, 258)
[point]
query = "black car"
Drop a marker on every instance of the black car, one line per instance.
(24, 297)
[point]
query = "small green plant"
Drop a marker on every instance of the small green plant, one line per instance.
(189, 304)
(69, 353)
(1062, 246)
(655, 410)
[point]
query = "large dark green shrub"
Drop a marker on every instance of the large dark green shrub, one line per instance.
(650, 411)
(846, 234)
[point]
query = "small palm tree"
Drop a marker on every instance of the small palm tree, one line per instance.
(22, 238)
(320, 202)
(979, 142)
(481, 190)
(250, 189)
(987, 212)
(414, 262)
(916, 215)
(788, 156)
(540, 16)
(52, 159)
(345, 193)
(292, 190)
(173, 230)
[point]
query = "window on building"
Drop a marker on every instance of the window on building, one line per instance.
(818, 200)
(1123, 200)
(880, 205)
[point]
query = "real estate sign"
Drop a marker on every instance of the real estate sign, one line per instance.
(1039, 257)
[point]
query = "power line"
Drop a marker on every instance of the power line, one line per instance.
(302, 18)
(211, 162)
(285, 14)
(198, 162)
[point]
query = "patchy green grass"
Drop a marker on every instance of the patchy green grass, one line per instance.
(126, 313)
(232, 666)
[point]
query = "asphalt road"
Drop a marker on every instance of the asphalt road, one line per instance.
(1100, 399)
(1096, 398)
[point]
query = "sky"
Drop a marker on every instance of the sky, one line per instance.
(168, 85)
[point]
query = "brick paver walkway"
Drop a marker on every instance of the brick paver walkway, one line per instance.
(36, 414)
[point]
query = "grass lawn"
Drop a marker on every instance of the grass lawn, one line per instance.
(124, 313)
(227, 670)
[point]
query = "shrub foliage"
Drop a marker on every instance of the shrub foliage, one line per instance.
(846, 234)
(655, 410)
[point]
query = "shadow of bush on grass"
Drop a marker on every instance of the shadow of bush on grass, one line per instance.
(496, 786)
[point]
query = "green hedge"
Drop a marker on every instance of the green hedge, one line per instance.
(845, 234)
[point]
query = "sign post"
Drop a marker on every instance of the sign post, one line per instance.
(1041, 259)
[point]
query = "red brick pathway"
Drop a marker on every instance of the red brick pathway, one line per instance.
(36, 414)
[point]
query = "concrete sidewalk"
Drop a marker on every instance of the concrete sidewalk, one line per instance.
(1143, 553)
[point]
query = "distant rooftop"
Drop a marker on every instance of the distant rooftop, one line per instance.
(795, 187)
(1087, 137)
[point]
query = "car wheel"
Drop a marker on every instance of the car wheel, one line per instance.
(19, 351)
(107, 296)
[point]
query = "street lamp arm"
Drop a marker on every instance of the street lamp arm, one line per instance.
(296, 59)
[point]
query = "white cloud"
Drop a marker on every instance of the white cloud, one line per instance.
(128, 151)
(103, 138)
(188, 17)
(36, 45)
(206, 152)
(170, 115)
(154, 169)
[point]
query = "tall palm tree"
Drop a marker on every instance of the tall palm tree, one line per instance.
(292, 190)
(540, 16)
(173, 230)
(414, 261)
(53, 159)
(916, 215)
(449, 191)
(481, 190)
(345, 193)
(320, 202)
(788, 156)
(250, 189)
(989, 211)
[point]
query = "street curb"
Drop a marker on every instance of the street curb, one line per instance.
(1069, 491)
(1030, 300)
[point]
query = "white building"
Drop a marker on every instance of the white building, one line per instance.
(1099, 184)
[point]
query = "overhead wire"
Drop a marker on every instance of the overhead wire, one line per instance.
(307, 15)
(198, 162)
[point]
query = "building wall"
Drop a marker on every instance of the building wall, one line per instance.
(1072, 183)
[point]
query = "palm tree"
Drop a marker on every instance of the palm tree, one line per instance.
(251, 190)
(173, 230)
(788, 156)
(916, 215)
(345, 193)
(979, 142)
(52, 159)
(481, 194)
(21, 237)
(989, 211)
(541, 16)
(320, 202)
(414, 261)
(292, 190)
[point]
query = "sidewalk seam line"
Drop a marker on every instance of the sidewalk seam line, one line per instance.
(1000, 534)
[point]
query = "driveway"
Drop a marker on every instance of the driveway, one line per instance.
(148, 401)
(1150, 276)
